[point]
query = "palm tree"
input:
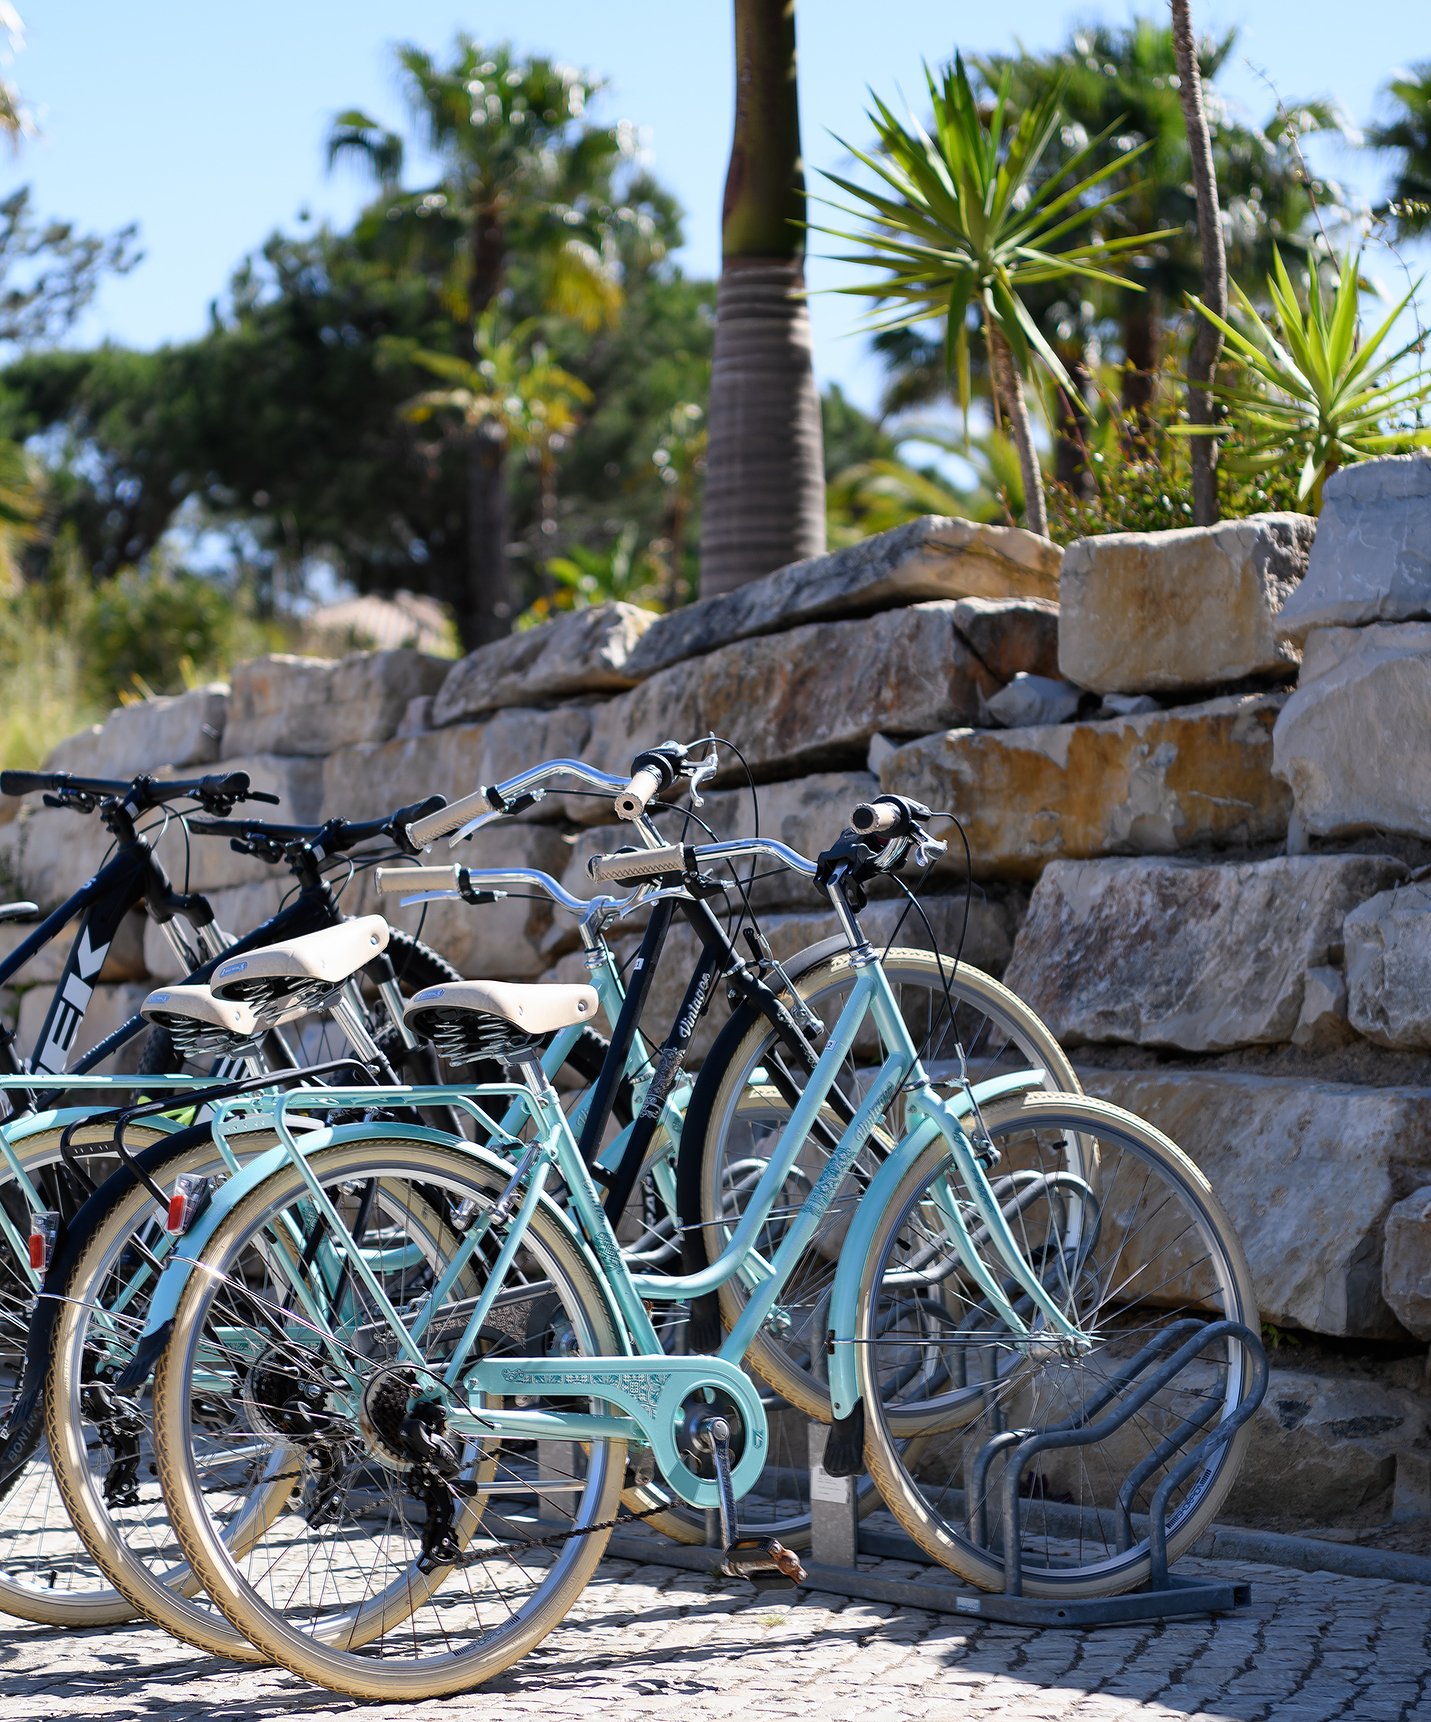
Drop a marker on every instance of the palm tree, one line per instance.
(1207, 337)
(971, 225)
(765, 485)
(1409, 133)
(1124, 85)
(521, 174)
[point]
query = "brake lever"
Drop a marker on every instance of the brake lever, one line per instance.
(927, 849)
(708, 767)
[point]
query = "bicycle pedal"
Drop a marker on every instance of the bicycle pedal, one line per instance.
(768, 1565)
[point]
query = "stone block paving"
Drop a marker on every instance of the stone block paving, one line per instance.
(653, 1642)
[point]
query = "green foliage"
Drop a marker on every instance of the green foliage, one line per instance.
(971, 223)
(44, 695)
(878, 495)
(850, 436)
(1321, 395)
(1408, 134)
(1138, 475)
(620, 572)
(157, 632)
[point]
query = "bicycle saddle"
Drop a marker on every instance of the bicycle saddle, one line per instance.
(329, 957)
(532, 1009)
(199, 1022)
(19, 911)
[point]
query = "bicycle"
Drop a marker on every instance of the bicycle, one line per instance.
(395, 1426)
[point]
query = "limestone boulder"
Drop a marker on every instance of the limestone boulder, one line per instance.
(1324, 1446)
(1372, 558)
(179, 730)
(1011, 635)
(284, 704)
(373, 779)
(1200, 958)
(1161, 612)
(809, 700)
(1388, 966)
(1322, 1024)
(1029, 701)
(1308, 1171)
(1349, 741)
(1406, 1263)
(1150, 783)
(933, 557)
(578, 652)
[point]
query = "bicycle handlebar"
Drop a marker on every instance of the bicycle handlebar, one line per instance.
(467, 882)
(632, 801)
(640, 864)
(476, 810)
(333, 837)
(142, 791)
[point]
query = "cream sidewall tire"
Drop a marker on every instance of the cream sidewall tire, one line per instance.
(901, 1495)
(307, 1655)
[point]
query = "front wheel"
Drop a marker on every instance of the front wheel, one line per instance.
(380, 1574)
(1142, 1251)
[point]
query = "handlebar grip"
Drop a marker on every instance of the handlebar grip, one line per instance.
(22, 782)
(631, 803)
(637, 864)
(449, 818)
(877, 818)
(397, 881)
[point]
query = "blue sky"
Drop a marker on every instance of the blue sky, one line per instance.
(205, 123)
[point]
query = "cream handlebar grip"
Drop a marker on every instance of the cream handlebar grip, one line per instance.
(398, 881)
(637, 864)
(449, 818)
(874, 818)
(631, 803)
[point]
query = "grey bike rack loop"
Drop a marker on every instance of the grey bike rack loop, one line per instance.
(1164, 1594)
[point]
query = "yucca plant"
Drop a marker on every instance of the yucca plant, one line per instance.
(970, 223)
(1320, 392)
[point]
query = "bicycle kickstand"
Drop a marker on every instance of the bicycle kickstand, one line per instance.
(766, 1563)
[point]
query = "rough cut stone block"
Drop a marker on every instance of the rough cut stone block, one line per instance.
(1388, 966)
(283, 704)
(1322, 1024)
(1148, 784)
(1325, 1445)
(934, 557)
(1176, 954)
(803, 701)
(179, 730)
(1372, 558)
(1406, 1264)
(1309, 1172)
(1154, 612)
(583, 651)
(1011, 634)
(1033, 700)
(1351, 739)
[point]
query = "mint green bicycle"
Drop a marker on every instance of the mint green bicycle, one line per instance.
(403, 1391)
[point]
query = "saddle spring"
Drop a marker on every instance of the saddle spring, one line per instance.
(471, 1036)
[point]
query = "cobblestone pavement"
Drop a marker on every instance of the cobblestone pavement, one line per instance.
(653, 1642)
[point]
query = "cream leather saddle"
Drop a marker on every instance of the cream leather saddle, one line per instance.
(531, 1009)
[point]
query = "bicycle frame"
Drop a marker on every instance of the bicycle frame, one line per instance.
(648, 1388)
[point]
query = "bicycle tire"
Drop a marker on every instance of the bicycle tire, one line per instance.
(1157, 1248)
(360, 1622)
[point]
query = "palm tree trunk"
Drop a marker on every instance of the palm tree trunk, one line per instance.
(765, 479)
(485, 612)
(1207, 338)
(1011, 395)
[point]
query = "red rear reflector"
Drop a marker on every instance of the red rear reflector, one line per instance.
(44, 1229)
(177, 1205)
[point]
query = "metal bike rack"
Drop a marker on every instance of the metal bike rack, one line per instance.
(1164, 1594)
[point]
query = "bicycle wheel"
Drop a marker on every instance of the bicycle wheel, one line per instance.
(100, 1444)
(382, 1574)
(736, 1119)
(43, 1565)
(1128, 1255)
